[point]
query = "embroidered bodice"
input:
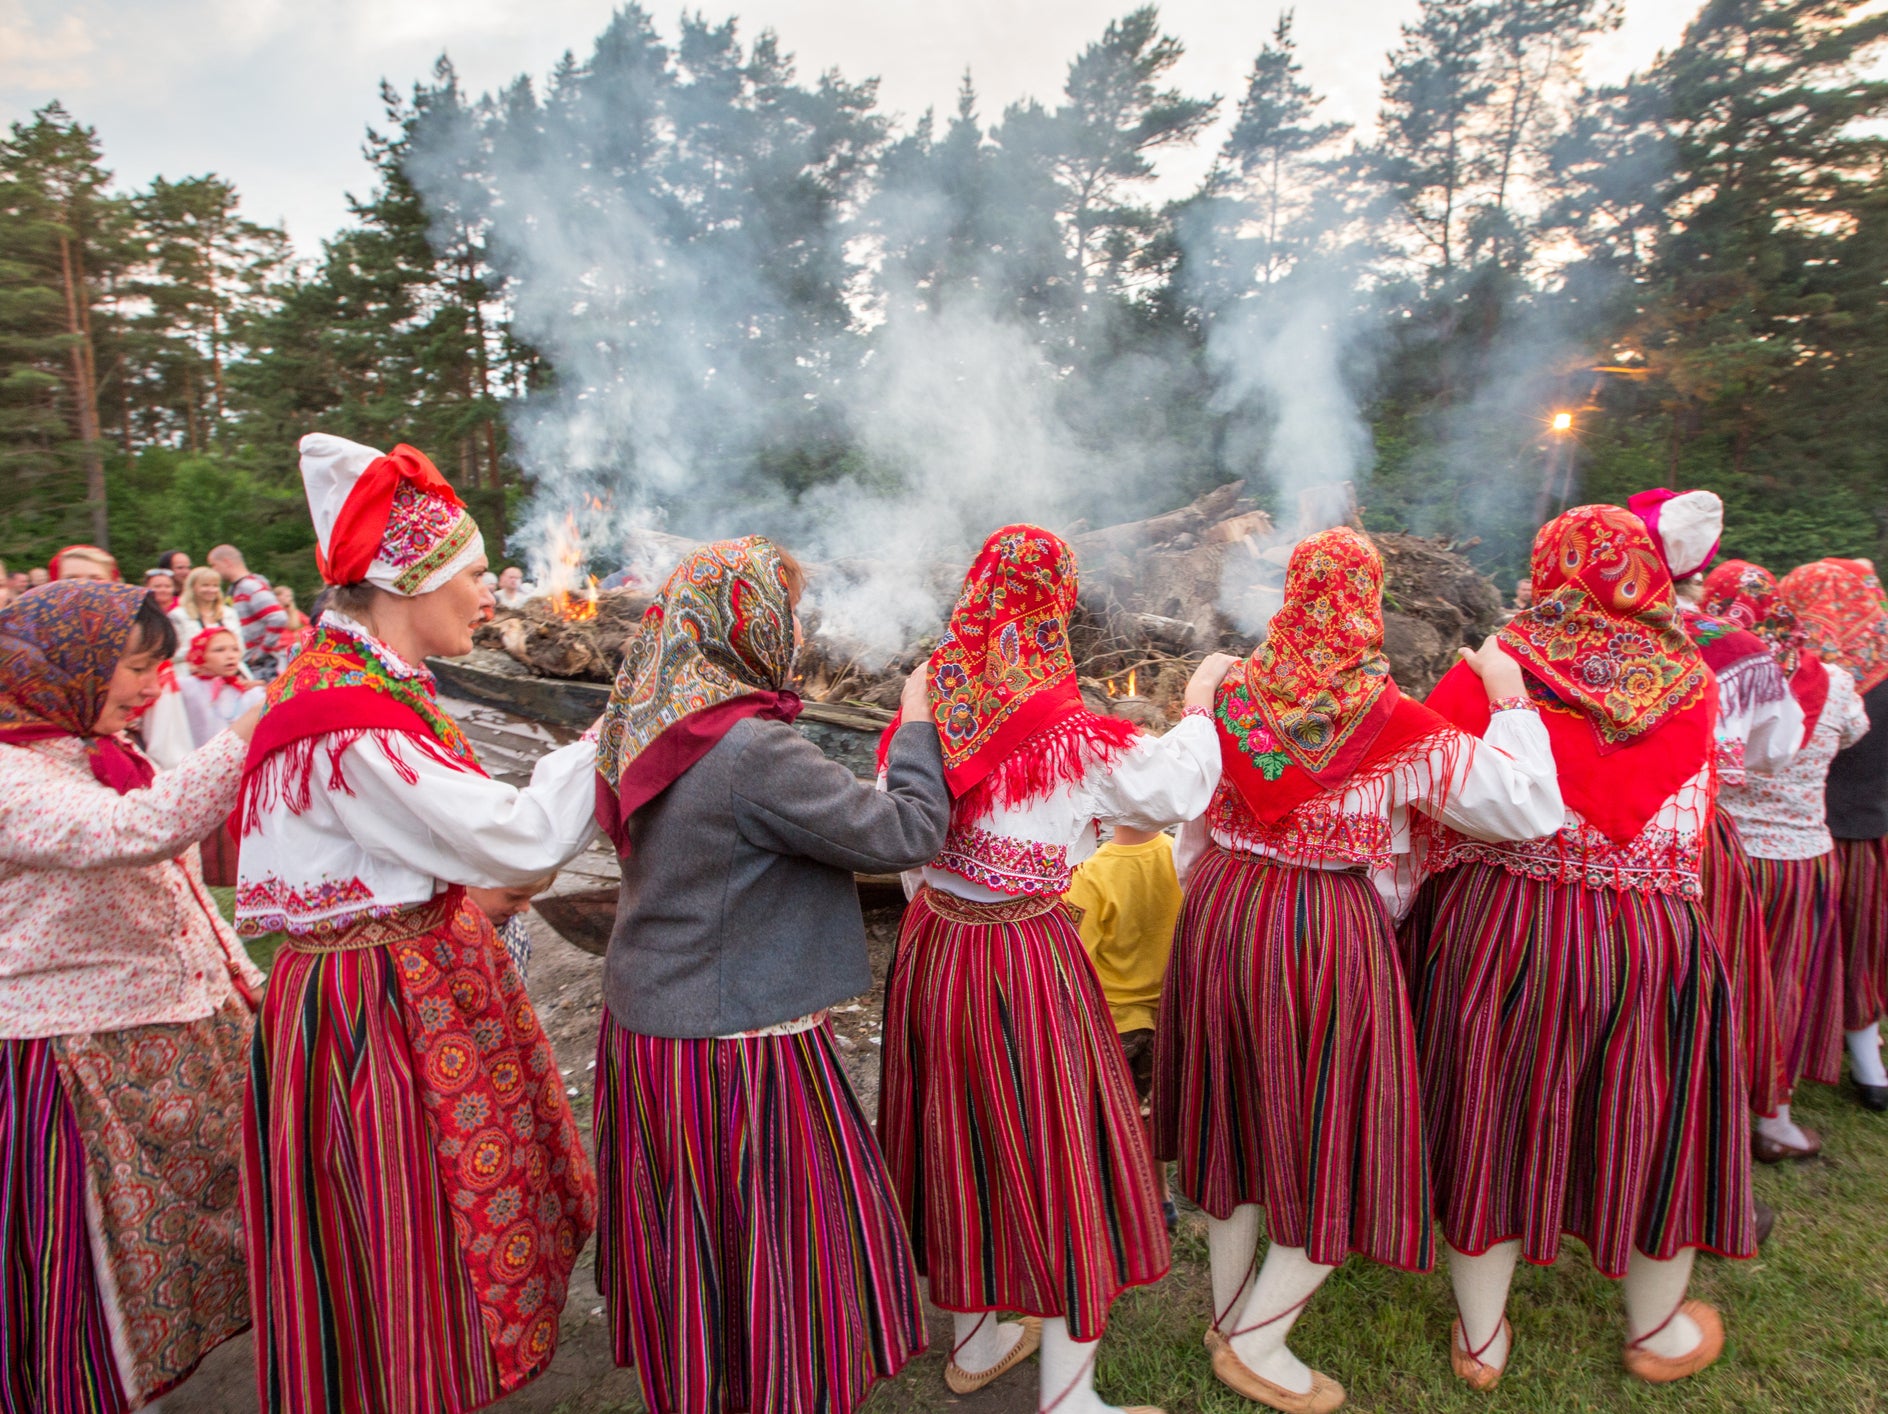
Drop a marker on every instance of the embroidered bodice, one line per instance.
(1784, 816)
(1033, 849)
(386, 824)
(1500, 788)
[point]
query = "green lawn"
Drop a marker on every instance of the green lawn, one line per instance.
(261, 950)
(1806, 1322)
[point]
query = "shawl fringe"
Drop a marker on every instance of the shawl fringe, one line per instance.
(1749, 683)
(1061, 754)
(286, 776)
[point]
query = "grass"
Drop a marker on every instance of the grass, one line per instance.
(261, 950)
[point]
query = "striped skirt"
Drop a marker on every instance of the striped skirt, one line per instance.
(750, 1250)
(1581, 1072)
(1863, 865)
(1285, 1062)
(120, 1157)
(1802, 916)
(1009, 1119)
(416, 1188)
(1736, 919)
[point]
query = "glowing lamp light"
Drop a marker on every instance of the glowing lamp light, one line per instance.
(1563, 422)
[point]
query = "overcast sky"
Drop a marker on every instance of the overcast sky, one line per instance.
(275, 94)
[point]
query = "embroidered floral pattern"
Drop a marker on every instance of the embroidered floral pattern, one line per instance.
(1321, 668)
(1783, 816)
(1315, 832)
(423, 532)
(1235, 712)
(338, 656)
(1656, 860)
(272, 905)
(1007, 638)
(1603, 632)
(1005, 863)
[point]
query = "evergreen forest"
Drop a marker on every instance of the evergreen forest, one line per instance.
(678, 272)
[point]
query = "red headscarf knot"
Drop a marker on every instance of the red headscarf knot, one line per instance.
(355, 540)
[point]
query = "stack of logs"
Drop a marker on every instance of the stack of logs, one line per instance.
(1155, 597)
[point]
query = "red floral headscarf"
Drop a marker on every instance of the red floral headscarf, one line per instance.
(198, 654)
(1844, 616)
(1317, 694)
(716, 646)
(1603, 633)
(1009, 713)
(59, 647)
(1747, 595)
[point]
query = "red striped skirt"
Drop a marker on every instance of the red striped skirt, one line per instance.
(140, 1129)
(1863, 865)
(750, 1249)
(1581, 1072)
(1802, 916)
(1736, 919)
(416, 1188)
(1009, 1119)
(1285, 1062)
(55, 1330)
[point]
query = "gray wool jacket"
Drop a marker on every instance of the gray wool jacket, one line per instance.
(737, 907)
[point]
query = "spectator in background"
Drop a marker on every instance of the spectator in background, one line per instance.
(163, 588)
(19, 582)
(37, 576)
(9, 591)
(84, 562)
(512, 589)
(297, 620)
(202, 606)
(177, 562)
(261, 617)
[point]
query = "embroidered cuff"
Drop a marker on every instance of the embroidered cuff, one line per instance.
(1521, 703)
(1205, 712)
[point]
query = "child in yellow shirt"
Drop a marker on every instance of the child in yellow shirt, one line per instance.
(1129, 897)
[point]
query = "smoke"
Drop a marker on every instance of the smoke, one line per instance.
(697, 320)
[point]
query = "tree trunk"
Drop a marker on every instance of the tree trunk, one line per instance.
(85, 387)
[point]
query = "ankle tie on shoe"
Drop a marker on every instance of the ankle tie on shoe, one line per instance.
(1638, 1341)
(955, 1349)
(1477, 1353)
(1290, 1310)
(1081, 1376)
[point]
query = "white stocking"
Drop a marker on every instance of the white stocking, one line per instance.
(980, 1342)
(1481, 1299)
(1865, 1055)
(1068, 1372)
(1232, 1249)
(1653, 1291)
(1782, 1129)
(1287, 1280)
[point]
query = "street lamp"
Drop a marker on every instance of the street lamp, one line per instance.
(1557, 474)
(1563, 422)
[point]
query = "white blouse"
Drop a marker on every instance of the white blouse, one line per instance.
(1033, 849)
(1760, 722)
(1785, 816)
(1501, 787)
(393, 826)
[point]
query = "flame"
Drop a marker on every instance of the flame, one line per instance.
(1115, 687)
(573, 606)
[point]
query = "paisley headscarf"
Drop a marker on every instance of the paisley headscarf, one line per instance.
(59, 647)
(1603, 633)
(1844, 616)
(1747, 595)
(715, 646)
(1317, 694)
(1009, 713)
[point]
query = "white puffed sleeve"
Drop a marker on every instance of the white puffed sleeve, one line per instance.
(462, 827)
(1775, 735)
(1505, 786)
(1159, 781)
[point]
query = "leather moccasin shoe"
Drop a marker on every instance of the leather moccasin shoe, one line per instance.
(1470, 1370)
(963, 1382)
(1766, 1150)
(1642, 1364)
(1324, 1396)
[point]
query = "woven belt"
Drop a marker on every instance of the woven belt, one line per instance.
(377, 932)
(964, 910)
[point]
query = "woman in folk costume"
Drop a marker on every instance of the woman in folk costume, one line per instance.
(1575, 1024)
(1008, 1116)
(1760, 727)
(1843, 614)
(1780, 819)
(1285, 1062)
(415, 1185)
(126, 1009)
(750, 1249)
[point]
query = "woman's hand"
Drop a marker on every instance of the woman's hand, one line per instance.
(914, 703)
(1500, 674)
(245, 725)
(1207, 678)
